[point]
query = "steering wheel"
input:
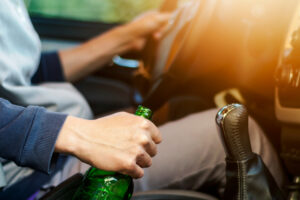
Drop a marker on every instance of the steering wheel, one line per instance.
(164, 61)
(236, 43)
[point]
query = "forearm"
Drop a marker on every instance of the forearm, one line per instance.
(28, 135)
(94, 54)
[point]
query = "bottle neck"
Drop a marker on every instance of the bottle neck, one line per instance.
(144, 112)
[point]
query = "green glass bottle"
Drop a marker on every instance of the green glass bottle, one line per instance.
(102, 185)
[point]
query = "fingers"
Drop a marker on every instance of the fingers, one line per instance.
(151, 22)
(163, 18)
(144, 160)
(138, 173)
(132, 169)
(163, 25)
(151, 148)
(166, 21)
(150, 137)
(152, 130)
(146, 142)
(158, 17)
(160, 33)
(145, 149)
(134, 162)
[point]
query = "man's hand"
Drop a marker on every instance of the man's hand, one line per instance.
(150, 24)
(121, 142)
(92, 55)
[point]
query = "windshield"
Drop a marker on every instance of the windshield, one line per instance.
(107, 11)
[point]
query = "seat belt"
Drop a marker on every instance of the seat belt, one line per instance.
(2, 178)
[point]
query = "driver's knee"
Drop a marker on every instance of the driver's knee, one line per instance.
(192, 156)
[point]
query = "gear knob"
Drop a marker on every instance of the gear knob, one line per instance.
(232, 122)
(246, 175)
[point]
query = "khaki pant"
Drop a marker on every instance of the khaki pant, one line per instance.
(190, 157)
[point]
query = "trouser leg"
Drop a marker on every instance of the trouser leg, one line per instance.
(71, 167)
(192, 157)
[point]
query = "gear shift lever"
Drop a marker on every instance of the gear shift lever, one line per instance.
(232, 121)
(246, 175)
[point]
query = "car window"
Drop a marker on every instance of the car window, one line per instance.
(107, 11)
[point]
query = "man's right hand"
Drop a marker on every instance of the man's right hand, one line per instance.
(121, 142)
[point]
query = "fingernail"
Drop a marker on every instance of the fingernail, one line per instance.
(157, 36)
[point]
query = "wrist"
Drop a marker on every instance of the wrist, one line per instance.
(68, 140)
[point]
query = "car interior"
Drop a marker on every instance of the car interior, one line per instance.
(214, 53)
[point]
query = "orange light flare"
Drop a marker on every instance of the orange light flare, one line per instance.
(243, 39)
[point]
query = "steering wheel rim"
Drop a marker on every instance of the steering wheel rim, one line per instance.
(165, 59)
(168, 47)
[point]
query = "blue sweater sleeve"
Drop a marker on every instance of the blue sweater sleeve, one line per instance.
(49, 70)
(28, 135)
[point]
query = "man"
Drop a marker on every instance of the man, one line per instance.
(191, 156)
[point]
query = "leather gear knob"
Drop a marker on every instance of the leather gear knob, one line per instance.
(232, 121)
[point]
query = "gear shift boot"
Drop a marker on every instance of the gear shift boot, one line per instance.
(246, 175)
